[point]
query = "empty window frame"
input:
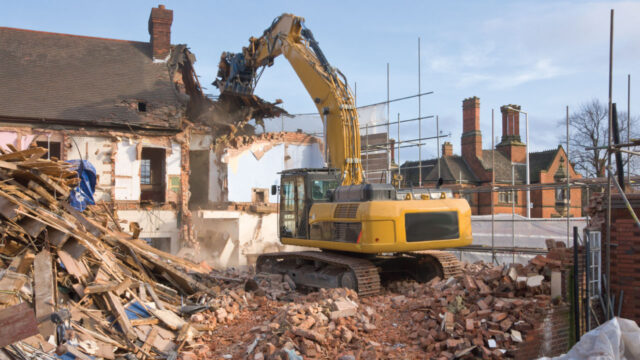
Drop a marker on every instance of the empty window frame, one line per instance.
(53, 147)
(152, 175)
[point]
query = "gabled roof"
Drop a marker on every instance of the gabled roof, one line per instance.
(79, 79)
(503, 167)
(541, 160)
(452, 169)
(455, 169)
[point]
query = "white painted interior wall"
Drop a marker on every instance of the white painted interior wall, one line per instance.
(155, 224)
(235, 238)
(247, 170)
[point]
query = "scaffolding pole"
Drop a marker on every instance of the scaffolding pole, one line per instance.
(419, 121)
(493, 182)
(609, 150)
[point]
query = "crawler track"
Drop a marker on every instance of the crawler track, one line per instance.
(449, 263)
(367, 277)
(305, 265)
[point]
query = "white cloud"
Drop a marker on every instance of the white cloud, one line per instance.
(529, 42)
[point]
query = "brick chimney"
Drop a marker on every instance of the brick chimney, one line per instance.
(160, 30)
(447, 149)
(510, 123)
(471, 136)
(511, 145)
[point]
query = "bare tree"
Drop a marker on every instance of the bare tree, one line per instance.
(588, 127)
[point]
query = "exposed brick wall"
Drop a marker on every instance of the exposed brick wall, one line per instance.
(550, 336)
(625, 268)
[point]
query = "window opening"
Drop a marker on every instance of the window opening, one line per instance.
(152, 175)
(54, 148)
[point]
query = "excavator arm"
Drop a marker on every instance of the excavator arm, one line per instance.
(239, 73)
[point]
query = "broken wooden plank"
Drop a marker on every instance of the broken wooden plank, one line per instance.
(117, 287)
(16, 323)
(169, 318)
(14, 277)
(43, 289)
(144, 321)
(74, 267)
(57, 237)
(150, 339)
(32, 227)
(154, 296)
(41, 191)
(120, 315)
(22, 155)
(8, 209)
(74, 248)
(8, 165)
(100, 288)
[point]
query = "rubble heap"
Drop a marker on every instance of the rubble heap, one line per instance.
(486, 312)
(73, 283)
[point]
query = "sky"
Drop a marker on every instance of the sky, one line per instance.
(541, 55)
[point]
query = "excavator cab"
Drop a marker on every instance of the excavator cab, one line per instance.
(299, 190)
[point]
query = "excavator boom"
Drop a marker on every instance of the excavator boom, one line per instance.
(239, 72)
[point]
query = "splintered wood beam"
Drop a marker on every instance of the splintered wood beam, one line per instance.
(17, 323)
(120, 315)
(43, 289)
(23, 155)
(75, 268)
(56, 237)
(32, 227)
(8, 209)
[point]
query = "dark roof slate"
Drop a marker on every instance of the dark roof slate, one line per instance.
(455, 169)
(84, 79)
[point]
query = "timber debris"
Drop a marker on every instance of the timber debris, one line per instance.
(72, 283)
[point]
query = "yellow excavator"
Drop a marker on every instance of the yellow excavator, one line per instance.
(363, 230)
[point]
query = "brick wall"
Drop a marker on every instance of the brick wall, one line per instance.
(550, 336)
(625, 250)
(625, 268)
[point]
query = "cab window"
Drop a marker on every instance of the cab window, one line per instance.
(288, 207)
(320, 189)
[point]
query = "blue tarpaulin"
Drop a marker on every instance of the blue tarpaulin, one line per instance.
(82, 195)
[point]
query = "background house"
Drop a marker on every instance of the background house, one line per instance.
(470, 174)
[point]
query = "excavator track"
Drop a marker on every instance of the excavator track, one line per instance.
(367, 279)
(449, 263)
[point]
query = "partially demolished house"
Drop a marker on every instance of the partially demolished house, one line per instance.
(136, 112)
(112, 102)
